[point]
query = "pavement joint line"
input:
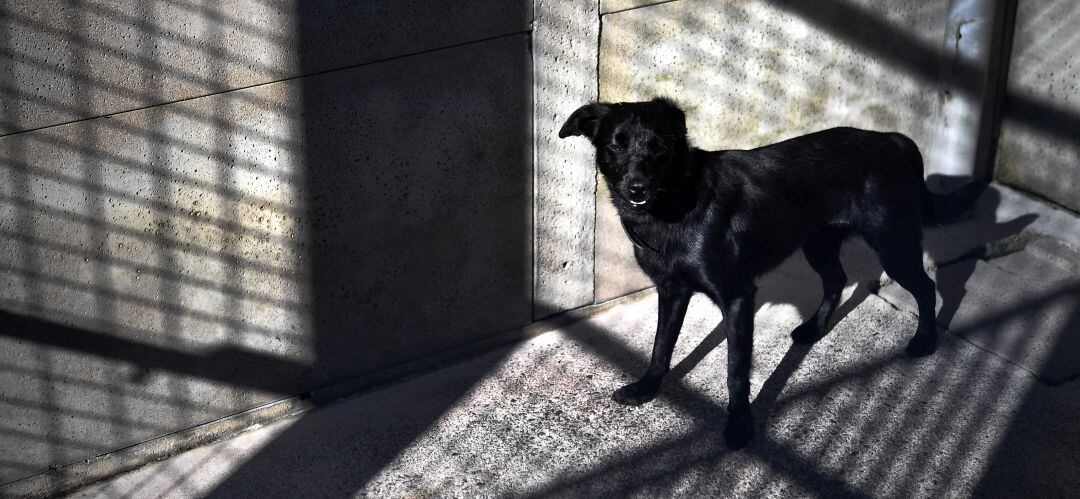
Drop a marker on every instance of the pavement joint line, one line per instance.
(976, 345)
(1039, 198)
(995, 354)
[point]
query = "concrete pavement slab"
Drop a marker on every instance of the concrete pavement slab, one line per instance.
(849, 416)
(1022, 306)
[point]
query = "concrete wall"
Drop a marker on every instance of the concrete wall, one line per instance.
(1039, 149)
(203, 210)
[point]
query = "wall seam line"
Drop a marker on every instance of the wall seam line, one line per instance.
(596, 180)
(628, 9)
(281, 80)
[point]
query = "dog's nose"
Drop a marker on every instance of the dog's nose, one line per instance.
(635, 188)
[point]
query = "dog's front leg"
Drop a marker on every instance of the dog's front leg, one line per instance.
(673, 299)
(739, 313)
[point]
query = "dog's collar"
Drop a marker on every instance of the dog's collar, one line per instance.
(634, 237)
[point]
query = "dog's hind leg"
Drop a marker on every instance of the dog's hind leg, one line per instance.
(823, 253)
(673, 300)
(900, 253)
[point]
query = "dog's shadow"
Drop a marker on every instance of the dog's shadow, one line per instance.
(956, 246)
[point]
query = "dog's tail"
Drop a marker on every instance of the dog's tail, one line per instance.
(939, 209)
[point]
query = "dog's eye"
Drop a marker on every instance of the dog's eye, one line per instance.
(618, 142)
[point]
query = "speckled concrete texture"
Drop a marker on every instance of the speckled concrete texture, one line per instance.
(1035, 296)
(848, 417)
(564, 70)
(61, 61)
(617, 273)
(420, 184)
(158, 272)
(1039, 148)
(333, 190)
(752, 73)
(1050, 221)
(1018, 257)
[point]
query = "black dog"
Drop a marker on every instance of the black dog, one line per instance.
(713, 222)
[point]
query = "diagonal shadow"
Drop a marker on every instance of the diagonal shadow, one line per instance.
(248, 475)
(249, 369)
(889, 43)
(651, 467)
(628, 473)
(1037, 455)
(229, 364)
(377, 435)
(335, 452)
(346, 342)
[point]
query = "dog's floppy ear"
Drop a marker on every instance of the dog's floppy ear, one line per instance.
(584, 121)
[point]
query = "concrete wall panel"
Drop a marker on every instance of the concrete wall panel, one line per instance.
(1039, 148)
(753, 73)
(565, 76)
(61, 61)
(164, 267)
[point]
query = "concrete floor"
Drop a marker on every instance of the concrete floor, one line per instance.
(992, 413)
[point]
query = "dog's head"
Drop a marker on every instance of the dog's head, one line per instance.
(640, 146)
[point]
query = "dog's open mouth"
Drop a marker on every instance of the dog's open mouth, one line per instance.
(638, 203)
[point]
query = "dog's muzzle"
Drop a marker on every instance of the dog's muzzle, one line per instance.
(636, 193)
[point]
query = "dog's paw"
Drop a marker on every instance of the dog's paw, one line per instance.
(921, 345)
(806, 333)
(636, 393)
(738, 432)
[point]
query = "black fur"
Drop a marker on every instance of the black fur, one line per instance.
(714, 221)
